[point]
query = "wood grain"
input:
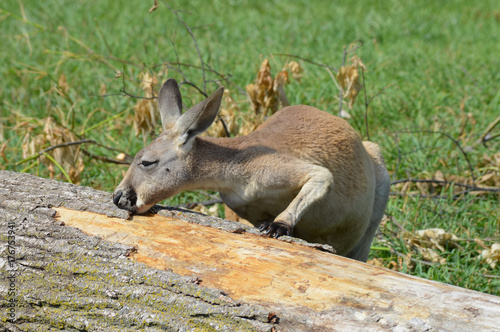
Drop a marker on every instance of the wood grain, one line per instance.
(279, 274)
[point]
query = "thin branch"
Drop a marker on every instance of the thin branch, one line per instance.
(63, 145)
(414, 260)
(396, 140)
(470, 188)
(381, 91)
(354, 49)
(195, 44)
(194, 86)
(226, 79)
(124, 91)
(203, 26)
(228, 134)
(457, 144)
(176, 66)
(341, 90)
(166, 63)
(105, 159)
(368, 101)
(401, 194)
(433, 181)
(306, 60)
(366, 104)
(485, 137)
(490, 137)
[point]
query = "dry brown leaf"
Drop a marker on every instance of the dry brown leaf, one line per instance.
(63, 84)
(402, 262)
(439, 175)
(2, 152)
(103, 89)
(431, 255)
(356, 61)
(348, 78)
(264, 78)
(261, 92)
(296, 70)
(434, 238)
(490, 169)
(32, 145)
(250, 122)
(146, 111)
(148, 84)
(267, 94)
(68, 157)
(377, 262)
(279, 82)
(211, 211)
(144, 119)
(481, 243)
(491, 256)
(121, 156)
(154, 7)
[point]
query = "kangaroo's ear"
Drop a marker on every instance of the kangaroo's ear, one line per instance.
(198, 118)
(169, 103)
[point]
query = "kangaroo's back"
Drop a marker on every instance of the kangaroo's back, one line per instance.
(322, 139)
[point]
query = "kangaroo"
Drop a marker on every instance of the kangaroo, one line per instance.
(303, 172)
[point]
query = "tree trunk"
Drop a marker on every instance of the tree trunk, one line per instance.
(71, 260)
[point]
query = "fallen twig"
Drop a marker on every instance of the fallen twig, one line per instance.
(445, 183)
(414, 260)
(457, 144)
(62, 145)
(485, 137)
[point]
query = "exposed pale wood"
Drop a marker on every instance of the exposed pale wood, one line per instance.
(268, 271)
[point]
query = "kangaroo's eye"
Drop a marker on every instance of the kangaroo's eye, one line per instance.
(146, 163)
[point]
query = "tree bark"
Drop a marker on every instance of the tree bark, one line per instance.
(71, 260)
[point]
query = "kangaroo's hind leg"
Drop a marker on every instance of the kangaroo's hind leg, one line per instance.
(382, 188)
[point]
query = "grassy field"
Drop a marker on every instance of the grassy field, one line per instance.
(80, 63)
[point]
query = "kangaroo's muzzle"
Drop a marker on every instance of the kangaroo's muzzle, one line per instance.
(125, 200)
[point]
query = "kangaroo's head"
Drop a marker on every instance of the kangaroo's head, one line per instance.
(161, 169)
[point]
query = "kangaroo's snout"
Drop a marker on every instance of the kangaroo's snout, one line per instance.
(126, 201)
(116, 197)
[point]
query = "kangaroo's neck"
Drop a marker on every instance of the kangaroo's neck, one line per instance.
(212, 161)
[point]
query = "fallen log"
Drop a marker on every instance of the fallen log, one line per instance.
(79, 263)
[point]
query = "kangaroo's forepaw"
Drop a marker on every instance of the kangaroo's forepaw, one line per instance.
(275, 229)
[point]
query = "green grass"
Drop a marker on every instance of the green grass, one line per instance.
(441, 58)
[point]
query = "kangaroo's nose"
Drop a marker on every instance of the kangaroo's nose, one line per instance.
(116, 196)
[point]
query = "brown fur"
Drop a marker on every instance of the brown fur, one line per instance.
(303, 170)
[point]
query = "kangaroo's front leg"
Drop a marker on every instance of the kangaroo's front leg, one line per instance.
(318, 181)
